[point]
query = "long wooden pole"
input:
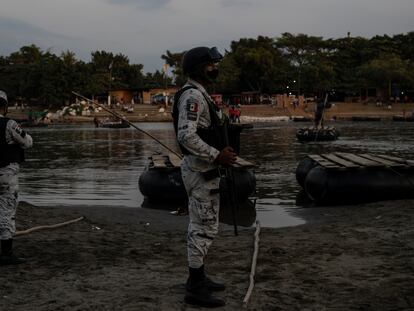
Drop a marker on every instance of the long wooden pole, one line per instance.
(48, 226)
(131, 124)
(323, 110)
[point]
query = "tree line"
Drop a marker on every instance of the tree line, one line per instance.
(297, 64)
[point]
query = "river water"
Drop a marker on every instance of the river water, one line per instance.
(79, 165)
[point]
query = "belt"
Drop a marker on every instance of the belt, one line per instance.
(214, 173)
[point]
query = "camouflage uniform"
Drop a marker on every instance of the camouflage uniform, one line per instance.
(9, 185)
(203, 206)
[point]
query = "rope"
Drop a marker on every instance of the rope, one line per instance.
(48, 226)
(131, 124)
(254, 262)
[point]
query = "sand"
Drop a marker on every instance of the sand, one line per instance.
(345, 258)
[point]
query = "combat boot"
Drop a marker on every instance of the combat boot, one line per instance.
(7, 257)
(209, 283)
(197, 291)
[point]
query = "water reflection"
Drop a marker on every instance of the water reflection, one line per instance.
(83, 165)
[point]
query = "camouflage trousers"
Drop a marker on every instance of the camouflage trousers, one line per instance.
(9, 187)
(203, 208)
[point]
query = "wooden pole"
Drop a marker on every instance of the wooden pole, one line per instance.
(131, 124)
(48, 227)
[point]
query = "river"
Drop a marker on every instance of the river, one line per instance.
(80, 165)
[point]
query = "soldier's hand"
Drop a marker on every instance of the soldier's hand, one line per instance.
(226, 156)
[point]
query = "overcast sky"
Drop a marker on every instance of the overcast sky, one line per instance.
(144, 29)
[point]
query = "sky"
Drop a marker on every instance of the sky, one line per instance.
(143, 30)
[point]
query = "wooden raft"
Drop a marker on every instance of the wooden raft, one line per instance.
(342, 160)
(170, 160)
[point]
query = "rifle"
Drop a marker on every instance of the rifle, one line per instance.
(229, 180)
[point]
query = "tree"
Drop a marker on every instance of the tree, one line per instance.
(309, 61)
(174, 61)
(385, 70)
(260, 64)
(348, 55)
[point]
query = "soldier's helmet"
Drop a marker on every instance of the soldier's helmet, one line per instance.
(3, 99)
(194, 59)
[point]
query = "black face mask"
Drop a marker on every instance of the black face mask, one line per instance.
(212, 74)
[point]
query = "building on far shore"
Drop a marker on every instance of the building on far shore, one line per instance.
(144, 96)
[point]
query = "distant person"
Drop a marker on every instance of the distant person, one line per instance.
(379, 103)
(13, 141)
(232, 115)
(96, 121)
(237, 113)
(320, 105)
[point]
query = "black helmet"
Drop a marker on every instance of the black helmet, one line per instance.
(198, 56)
(3, 98)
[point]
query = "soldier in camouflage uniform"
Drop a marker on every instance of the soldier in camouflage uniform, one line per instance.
(13, 140)
(196, 118)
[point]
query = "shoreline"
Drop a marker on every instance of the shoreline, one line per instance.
(260, 113)
(344, 258)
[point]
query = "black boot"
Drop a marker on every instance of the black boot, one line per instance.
(211, 285)
(7, 257)
(197, 291)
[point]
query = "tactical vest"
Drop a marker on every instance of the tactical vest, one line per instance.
(9, 153)
(211, 135)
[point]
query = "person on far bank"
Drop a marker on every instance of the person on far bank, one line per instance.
(13, 141)
(321, 103)
(196, 121)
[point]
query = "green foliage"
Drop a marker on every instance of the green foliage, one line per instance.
(306, 64)
(174, 61)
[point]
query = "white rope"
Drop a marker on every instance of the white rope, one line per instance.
(254, 262)
(48, 226)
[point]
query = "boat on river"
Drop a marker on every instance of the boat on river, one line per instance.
(163, 188)
(403, 118)
(365, 118)
(161, 180)
(308, 134)
(342, 178)
(114, 124)
(301, 119)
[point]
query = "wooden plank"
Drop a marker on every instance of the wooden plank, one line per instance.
(396, 159)
(358, 160)
(174, 159)
(334, 158)
(159, 161)
(243, 163)
(322, 161)
(386, 162)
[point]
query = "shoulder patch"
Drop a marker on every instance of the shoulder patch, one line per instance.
(17, 128)
(192, 107)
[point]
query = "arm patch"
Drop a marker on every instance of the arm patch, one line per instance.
(192, 107)
(20, 131)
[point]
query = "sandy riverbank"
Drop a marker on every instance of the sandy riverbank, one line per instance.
(250, 113)
(345, 258)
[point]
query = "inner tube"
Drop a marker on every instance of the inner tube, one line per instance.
(166, 184)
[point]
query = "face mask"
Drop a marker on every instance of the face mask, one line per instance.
(212, 74)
